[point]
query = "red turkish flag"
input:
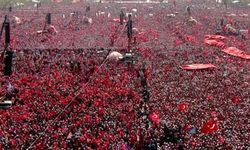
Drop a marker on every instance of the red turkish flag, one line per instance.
(154, 117)
(236, 100)
(213, 42)
(236, 52)
(210, 126)
(215, 37)
(183, 107)
(197, 66)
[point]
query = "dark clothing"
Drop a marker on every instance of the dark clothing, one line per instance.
(121, 18)
(225, 3)
(8, 63)
(129, 29)
(129, 32)
(151, 146)
(146, 95)
(171, 135)
(189, 11)
(7, 33)
(222, 21)
(48, 18)
(87, 8)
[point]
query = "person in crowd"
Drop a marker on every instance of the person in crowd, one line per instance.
(122, 16)
(188, 9)
(129, 29)
(225, 2)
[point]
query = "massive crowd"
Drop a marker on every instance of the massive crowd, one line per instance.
(68, 95)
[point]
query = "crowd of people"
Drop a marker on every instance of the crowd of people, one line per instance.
(68, 94)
